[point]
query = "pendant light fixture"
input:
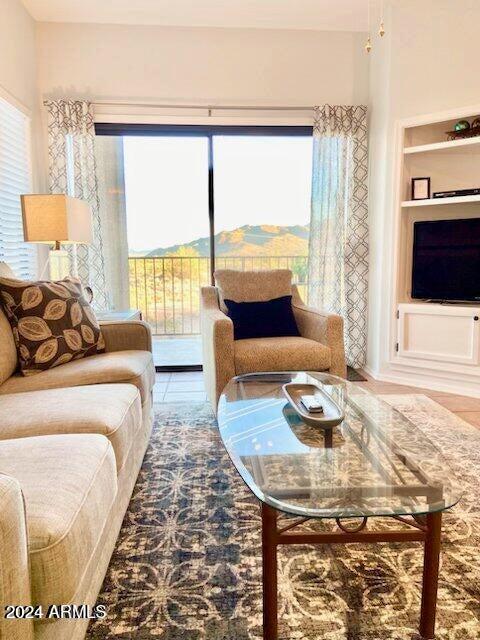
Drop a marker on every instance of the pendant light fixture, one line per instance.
(381, 30)
(368, 44)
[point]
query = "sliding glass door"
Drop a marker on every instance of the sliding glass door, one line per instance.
(200, 198)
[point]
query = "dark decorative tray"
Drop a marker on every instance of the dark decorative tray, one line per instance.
(332, 413)
(465, 133)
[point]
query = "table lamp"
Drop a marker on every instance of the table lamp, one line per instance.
(56, 219)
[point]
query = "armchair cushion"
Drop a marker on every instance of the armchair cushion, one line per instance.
(266, 319)
(133, 367)
(280, 354)
(252, 286)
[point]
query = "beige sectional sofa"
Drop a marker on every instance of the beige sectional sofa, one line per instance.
(72, 441)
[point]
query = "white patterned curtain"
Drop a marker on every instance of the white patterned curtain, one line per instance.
(71, 150)
(338, 253)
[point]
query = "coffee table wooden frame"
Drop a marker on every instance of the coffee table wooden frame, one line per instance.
(426, 529)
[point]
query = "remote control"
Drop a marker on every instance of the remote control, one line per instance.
(312, 404)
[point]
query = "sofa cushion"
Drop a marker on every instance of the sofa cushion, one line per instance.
(280, 354)
(252, 286)
(113, 410)
(8, 350)
(52, 322)
(133, 367)
(69, 483)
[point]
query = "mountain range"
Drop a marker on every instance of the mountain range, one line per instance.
(249, 240)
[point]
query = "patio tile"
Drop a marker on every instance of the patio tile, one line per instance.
(181, 350)
(188, 385)
(193, 396)
(183, 376)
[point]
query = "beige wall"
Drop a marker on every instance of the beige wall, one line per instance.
(18, 70)
(18, 78)
(226, 66)
(435, 55)
(17, 54)
(425, 64)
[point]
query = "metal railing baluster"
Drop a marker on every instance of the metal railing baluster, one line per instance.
(182, 316)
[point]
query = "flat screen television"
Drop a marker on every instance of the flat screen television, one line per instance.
(446, 260)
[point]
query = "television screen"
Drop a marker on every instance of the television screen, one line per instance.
(446, 260)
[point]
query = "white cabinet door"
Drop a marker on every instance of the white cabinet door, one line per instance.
(439, 332)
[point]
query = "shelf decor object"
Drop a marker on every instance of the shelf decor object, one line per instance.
(420, 188)
(462, 125)
(332, 414)
(463, 129)
(457, 193)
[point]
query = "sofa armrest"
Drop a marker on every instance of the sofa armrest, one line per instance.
(126, 335)
(14, 565)
(323, 327)
(217, 342)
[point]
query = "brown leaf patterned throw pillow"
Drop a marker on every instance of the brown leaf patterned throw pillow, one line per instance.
(52, 322)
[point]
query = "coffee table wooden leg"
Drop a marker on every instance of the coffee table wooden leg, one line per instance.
(431, 562)
(269, 573)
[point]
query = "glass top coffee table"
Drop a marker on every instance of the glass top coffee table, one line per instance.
(375, 463)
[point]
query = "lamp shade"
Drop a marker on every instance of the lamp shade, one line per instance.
(56, 218)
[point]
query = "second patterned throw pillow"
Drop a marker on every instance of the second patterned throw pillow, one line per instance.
(52, 322)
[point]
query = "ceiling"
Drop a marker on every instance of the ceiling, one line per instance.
(330, 15)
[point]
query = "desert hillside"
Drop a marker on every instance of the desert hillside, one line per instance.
(262, 240)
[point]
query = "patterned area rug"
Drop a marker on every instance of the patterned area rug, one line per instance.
(187, 564)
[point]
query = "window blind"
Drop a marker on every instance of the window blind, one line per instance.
(15, 179)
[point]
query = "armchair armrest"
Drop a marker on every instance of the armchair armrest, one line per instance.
(217, 341)
(126, 335)
(323, 327)
(14, 566)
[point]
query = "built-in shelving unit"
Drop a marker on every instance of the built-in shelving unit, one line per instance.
(431, 344)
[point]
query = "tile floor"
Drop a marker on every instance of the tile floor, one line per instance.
(189, 387)
(179, 387)
(177, 350)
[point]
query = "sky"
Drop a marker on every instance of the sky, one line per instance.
(258, 180)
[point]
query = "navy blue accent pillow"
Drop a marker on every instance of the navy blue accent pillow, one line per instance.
(269, 319)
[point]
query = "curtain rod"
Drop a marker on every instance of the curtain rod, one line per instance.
(206, 107)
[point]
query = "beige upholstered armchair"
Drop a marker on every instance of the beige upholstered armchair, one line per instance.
(320, 347)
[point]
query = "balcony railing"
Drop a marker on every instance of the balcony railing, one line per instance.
(167, 290)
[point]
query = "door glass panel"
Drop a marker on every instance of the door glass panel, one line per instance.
(166, 188)
(262, 203)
